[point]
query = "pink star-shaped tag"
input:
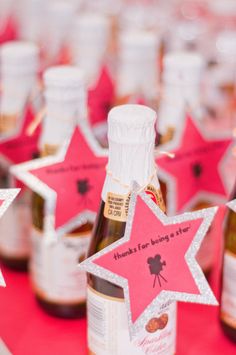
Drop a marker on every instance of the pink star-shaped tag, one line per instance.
(196, 171)
(71, 182)
(100, 97)
(6, 198)
(21, 147)
(155, 260)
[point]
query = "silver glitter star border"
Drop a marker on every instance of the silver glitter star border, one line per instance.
(232, 205)
(206, 296)
(7, 195)
(21, 172)
(171, 181)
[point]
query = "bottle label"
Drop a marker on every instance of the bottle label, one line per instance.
(117, 206)
(228, 300)
(15, 227)
(60, 280)
(108, 331)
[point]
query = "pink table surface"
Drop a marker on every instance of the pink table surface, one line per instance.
(27, 330)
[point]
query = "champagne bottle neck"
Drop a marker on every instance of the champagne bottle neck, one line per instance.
(176, 100)
(137, 77)
(15, 92)
(138, 67)
(58, 124)
(129, 163)
(65, 97)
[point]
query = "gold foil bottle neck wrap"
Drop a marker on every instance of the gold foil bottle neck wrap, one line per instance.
(7, 123)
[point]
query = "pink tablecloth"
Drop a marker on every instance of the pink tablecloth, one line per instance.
(27, 330)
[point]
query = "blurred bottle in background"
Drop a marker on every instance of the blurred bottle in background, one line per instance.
(181, 90)
(19, 69)
(220, 96)
(90, 40)
(48, 23)
(56, 47)
(32, 21)
(181, 94)
(59, 285)
(190, 29)
(150, 16)
(137, 78)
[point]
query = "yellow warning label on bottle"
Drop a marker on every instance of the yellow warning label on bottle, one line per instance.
(117, 206)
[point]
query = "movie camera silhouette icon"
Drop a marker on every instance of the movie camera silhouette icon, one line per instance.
(155, 267)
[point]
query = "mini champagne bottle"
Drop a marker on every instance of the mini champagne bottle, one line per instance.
(60, 287)
(90, 53)
(181, 93)
(19, 67)
(131, 137)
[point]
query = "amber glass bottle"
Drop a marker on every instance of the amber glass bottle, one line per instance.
(228, 292)
(131, 157)
(19, 66)
(59, 286)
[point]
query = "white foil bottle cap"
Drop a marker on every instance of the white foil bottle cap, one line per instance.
(63, 82)
(139, 16)
(181, 85)
(183, 68)
(60, 12)
(139, 45)
(65, 103)
(31, 17)
(19, 58)
(19, 66)
(226, 46)
(131, 124)
(91, 27)
(138, 68)
(90, 41)
(131, 138)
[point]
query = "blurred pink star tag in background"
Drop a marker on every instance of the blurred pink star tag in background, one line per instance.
(101, 97)
(19, 146)
(6, 198)
(155, 260)
(70, 182)
(196, 172)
